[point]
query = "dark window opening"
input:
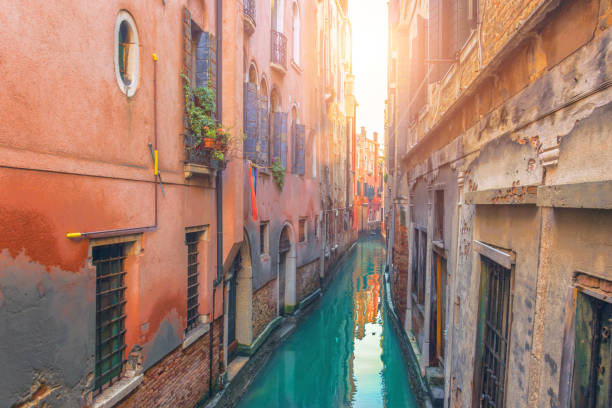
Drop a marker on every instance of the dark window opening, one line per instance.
(439, 215)
(302, 230)
(263, 237)
(110, 313)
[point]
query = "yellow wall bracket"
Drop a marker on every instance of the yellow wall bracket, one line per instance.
(72, 235)
(156, 170)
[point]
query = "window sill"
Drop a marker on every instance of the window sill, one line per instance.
(115, 393)
(195, 334)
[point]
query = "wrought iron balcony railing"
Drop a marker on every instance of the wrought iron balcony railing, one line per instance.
(249, 16)
(249, 9)
(279, 49)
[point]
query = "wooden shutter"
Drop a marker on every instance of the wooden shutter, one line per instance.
(250, 121)
(264, 132)
(299, 135)
(276, 135)
(206, 61)
(283, 135)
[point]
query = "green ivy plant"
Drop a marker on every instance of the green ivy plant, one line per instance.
(278, 172)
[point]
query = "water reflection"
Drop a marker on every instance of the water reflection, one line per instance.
(343, 355)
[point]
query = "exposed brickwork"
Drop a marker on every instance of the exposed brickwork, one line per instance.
(401, 267)
(264, 307)
(181, 378)
(307, 280)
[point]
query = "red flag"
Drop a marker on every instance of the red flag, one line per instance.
(253, 199)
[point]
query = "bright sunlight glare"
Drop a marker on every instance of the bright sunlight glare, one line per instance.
(370, 63)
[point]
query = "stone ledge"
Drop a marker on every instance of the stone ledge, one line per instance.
(249, 350)
(594, 195)
(118, 391)
(310, 298)
(504, 196)
(195, 334)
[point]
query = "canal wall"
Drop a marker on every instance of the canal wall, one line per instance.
(281, 330)
(410, 353)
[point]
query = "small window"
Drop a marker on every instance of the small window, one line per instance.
(192, 240)
(303, 232)
(316, 227)
(264, 241)
(110, 313)
(127, 59)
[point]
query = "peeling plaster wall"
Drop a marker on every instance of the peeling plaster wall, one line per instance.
(47, 330)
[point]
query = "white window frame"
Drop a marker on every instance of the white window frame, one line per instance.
(134, 56)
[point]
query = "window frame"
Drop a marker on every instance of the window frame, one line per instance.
(198, 234)
(303, 230)
(504, 259)
(264, 245)
(134, 54)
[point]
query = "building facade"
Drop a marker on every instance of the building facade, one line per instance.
(499, 177)
(290, 232)
(133, 265)
(368, 183)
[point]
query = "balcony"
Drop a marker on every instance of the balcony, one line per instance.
(249, 16)
(278, 59)
(199, 161)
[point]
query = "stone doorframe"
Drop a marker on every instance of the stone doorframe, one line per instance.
(290, 272)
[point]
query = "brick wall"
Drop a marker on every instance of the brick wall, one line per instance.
(307, 280)
(264, 307)
(181, 378)
(401, 267)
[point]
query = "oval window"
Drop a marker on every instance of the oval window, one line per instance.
(126, 53)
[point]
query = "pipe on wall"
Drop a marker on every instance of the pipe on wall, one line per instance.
(218, 189)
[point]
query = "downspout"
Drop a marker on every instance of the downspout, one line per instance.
(219, 194)
(156, 174)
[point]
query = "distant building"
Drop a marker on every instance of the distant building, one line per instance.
(368, 183)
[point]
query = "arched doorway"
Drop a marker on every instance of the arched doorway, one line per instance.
(242, 297)
(286, 270)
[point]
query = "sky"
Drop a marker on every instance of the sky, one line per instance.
(369, 21)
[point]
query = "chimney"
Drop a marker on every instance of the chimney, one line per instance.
(376, 137)
(363, 131)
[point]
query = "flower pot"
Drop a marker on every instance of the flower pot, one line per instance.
(208, 142)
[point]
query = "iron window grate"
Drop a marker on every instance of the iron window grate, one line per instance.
(110, 313)
(496, 334)
(192, 239)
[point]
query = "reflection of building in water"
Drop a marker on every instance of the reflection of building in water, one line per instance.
(366, 298)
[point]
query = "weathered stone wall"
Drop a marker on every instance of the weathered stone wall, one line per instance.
(181, 378)
(307, 280)
(521, 115)
(265, 305)
(400, 262)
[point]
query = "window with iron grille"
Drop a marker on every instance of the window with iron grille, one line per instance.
(263, 237)
(493, 333)
(316, 227)
(192, 240)
(110, 313)
(591, 379)
(302, 230)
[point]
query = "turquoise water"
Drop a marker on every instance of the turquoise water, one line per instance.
(344, 354)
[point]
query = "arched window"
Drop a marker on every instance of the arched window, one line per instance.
(296, 34)
(127, 60)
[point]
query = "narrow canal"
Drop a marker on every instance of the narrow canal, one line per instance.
(344, 354)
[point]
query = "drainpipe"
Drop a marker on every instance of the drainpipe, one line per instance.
(219, 193)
